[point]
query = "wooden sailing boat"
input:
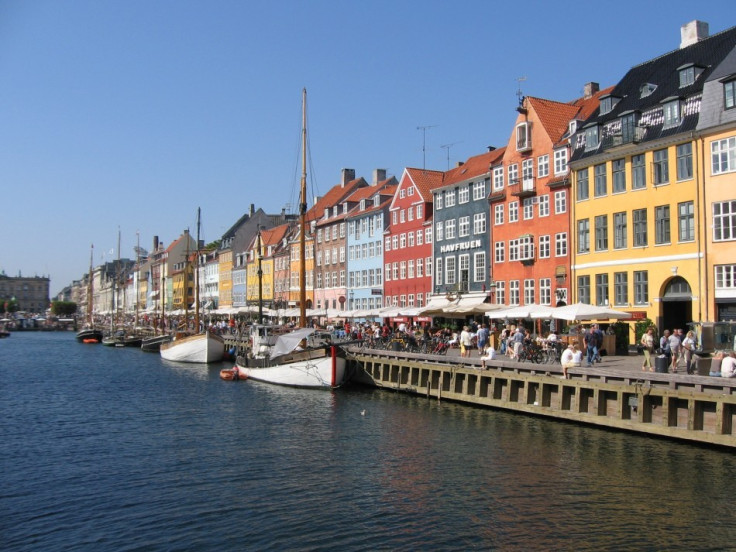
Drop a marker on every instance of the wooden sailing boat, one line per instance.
(201, 347)
(89, 334)
(293, 361)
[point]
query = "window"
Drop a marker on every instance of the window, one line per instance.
(545, 291)
(526, 248)
(582, 188)
(560, 161)
(560, 202)
(661, 170)
(591, 137)
(450, 229)
(639, 217)
(543, 166)
(498, 214)
(561, 244)
(402, 240)
(513, 174)
(725, 277)
(479, 190)
(498, 178)
(724, 221)
(463, 195)
(601, 233)
(479, 260)
(514, 211)
(410, 191)
(500, 293)
(523, 137)
(628, 128)
(395, 242)
(584, 236)
(410, 213)
(402, 216)
(437, 201)
(600, 186)
(687, 76)
(450, 198)
(410, 241)
(672, 113)
(641, 287)
(662, 224)
(463, 229)
(420, 237)
(420, 268)
(514, 292)
(619, 176)
(685, 161)
(528, 208)
(529, 292)
(428, 266)
(621, 288)
(479, 223)
(544, 247)
(543, 206)
(449, 270)
(439, 231)
(619, 230)
(723, 155)
(686, 221)
(428, 235)
(638, 172)
(527, 174)
(729, 94)
(500, 251)
(601, 289)
(402, 270)
(420, 210)
(584, 289)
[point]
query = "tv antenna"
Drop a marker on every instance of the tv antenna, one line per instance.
(519, 93)
(424, 143)
(447, 147)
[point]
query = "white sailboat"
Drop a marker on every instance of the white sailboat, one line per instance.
(202, 347)
(293, 361)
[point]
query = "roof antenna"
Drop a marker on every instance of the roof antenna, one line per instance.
(447, 147)
(519, 93)
(424, 143)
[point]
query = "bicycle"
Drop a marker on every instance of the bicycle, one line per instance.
(531, 352)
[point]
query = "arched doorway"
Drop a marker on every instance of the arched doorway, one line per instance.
(677, 304)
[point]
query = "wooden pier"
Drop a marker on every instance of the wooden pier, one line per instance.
(692, 408)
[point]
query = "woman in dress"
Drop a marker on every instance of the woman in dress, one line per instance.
(647, 342)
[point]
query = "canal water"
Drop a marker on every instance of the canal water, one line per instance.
(116, 449)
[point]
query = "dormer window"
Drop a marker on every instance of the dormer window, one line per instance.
(729, 94)
(362, 204)
(572, 127)
(591, 137)
(344, 208)
(672, 112)
(376, 200)
(647, 89)
(608, 103)
(523, 137)
(334, 211)
(327, 212)
(689, 74)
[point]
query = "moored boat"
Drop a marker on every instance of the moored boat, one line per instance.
(89, 335)
(232, 374)
(205, 347)
(153, 344)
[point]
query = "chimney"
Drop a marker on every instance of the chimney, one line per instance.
(693, 32)
(155, 243)
(347, 176)
(590, 89)
(379, 175)
(491, 148)
(459, 164)
(252, 209)
(316, 199)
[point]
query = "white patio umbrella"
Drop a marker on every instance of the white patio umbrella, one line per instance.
(584, 311)
(523, 312)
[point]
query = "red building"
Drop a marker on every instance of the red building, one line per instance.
(530, 203)
(407, 248)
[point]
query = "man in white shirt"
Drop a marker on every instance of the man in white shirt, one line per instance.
(728, 366)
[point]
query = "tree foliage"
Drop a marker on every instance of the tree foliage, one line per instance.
(63, 308)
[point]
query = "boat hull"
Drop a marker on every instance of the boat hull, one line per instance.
(89, 335)
(153, 344)
(200, 348)
(324, 371)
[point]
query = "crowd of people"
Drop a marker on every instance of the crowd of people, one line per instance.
(676, 347)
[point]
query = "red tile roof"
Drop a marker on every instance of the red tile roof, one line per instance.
(336, 194)
(425, 180)
(474, 166)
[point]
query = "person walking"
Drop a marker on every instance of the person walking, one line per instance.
(674, 340)
(688, 345)
(465, 342)
(482, 338)
(647, 343)
(589, 340)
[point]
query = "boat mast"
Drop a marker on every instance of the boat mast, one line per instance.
(196, 275)
(137, 276)
(186, 283)
(90, 286)
(260, 277)
(302, 220)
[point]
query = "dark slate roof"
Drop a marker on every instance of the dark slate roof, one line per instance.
(662, 71)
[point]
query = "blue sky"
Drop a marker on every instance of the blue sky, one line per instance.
(131, 114)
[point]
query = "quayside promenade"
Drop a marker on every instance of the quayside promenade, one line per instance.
(614, 394)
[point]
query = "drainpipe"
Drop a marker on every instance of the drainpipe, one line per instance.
(702, 242)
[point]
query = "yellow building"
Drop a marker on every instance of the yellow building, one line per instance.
(638, 178)
(225, 285)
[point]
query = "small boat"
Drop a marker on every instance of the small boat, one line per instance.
(205, 347)
(4, 333)
(232, 374)
(90, 334)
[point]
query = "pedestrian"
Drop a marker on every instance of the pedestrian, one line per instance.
(465, 342)
(688, 345)
(517, 340)
(589, 341)
(598, 334)
(647, 343)
(664, 346)
(674, 340)
(568, 359)
(482, 338)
